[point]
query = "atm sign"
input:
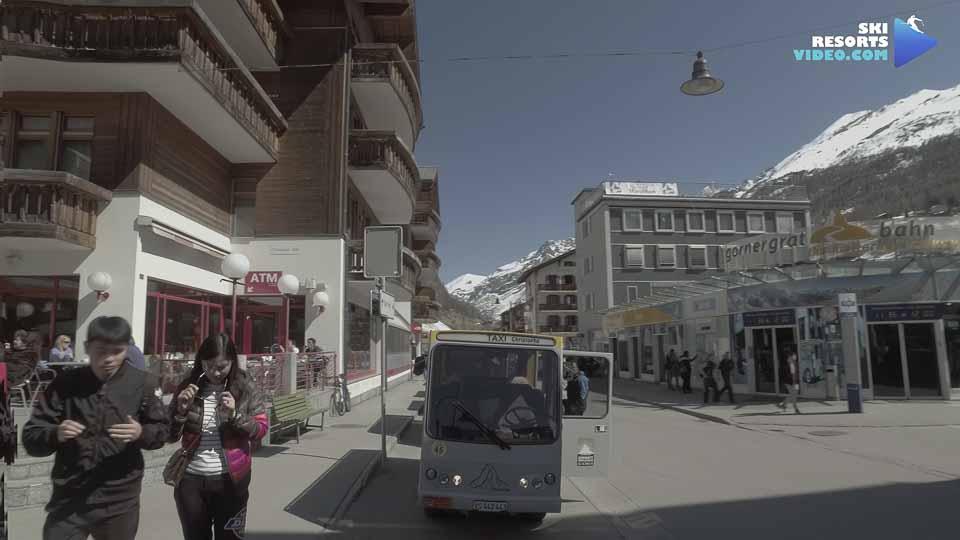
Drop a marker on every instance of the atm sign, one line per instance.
(262, 282)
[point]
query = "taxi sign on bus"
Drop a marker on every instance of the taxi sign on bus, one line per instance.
(495, 338)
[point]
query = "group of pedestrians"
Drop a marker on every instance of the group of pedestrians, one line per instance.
(99, 417)
(680, 370)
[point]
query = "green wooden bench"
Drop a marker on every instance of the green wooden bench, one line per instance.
(292, 411)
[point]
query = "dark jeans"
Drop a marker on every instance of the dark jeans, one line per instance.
(727, 387)
(686, 383)
(211, 507)
(102, 522)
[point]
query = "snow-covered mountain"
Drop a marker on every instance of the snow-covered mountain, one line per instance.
(864, 158)
(484, 291)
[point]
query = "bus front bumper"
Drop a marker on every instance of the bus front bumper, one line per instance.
(449, 500)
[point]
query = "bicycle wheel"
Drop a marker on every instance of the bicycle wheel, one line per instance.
(334, 408)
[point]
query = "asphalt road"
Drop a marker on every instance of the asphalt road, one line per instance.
(678, 477)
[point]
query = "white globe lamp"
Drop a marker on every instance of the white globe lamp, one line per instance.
(320, 301)
(235, 266)
(288, 284)
(25, 310)
(100, 282)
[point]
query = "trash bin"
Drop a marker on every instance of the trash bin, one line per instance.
(854, 398)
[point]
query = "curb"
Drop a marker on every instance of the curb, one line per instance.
(361, 482)
(688, 412)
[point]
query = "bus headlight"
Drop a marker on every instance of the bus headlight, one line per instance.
(537, 483)
(431, 474)
(523, 483)
(444, 479)
(457, 479)
(550, 479)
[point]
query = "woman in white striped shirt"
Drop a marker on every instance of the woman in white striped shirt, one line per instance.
(217, 415)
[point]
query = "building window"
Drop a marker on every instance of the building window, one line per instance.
(570, 263)
(76, 146)
(632, 220)
(697, 256)
(45, 305)
(755, 223)
(695, 221)
(665, 220)
(666, 256)
(34, 140)
(633, 294)
(634, 256)
(725, 222)
(586, 227)
(785, 223)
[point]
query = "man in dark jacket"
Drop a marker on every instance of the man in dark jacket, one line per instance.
(96, 419)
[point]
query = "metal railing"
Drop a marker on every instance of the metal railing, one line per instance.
(386, 62)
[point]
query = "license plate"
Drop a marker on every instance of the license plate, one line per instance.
(488, 506)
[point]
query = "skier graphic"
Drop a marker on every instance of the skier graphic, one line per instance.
(916, 23)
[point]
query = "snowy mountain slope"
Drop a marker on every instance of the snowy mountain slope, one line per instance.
(908, 123)
(484, 291)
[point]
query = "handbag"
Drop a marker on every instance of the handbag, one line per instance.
(177, 465)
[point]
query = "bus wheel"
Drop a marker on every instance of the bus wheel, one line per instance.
(533, 517)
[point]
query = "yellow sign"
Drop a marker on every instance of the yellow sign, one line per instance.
(840, 231)
(635, 317)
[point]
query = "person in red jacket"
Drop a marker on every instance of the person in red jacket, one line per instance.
(217, 415)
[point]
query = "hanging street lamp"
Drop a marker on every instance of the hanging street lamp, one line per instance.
(701, 83)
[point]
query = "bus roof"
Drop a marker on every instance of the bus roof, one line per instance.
(495, 338)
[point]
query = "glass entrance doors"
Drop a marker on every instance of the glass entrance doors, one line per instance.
(903, 360)
(771, 346)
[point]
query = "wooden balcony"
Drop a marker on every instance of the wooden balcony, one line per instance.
(557, 287)
(170, 50)
(253, 28)
(384, 171)
(558, 329)
(387, 90)
(49, 209)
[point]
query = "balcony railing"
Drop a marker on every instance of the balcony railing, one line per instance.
(385, 61)
(557, 307)
(50, 204)
(267, 20)
(383, 150)
(144, 35)
(558, 329)
(557, 287)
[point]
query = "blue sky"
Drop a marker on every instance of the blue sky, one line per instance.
(516, 140)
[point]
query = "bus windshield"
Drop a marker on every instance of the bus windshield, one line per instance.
(514, 393)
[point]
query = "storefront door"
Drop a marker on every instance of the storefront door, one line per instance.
(764, 361)
(786, 343)
(904, 361)
(261, 325)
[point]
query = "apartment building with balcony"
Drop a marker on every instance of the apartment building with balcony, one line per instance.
(425, 229)
(635, 240)
(552, 298)
(148, 139)
(515, 319)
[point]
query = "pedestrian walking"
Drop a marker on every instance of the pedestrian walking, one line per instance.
(791, 381)
(686, 370)
(676, 370)
(708, 381)
(726, 369)
(97, 419)
(217, 415)
(669, 366)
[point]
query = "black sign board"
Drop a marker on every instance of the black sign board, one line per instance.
(904, 312)
(777, 317)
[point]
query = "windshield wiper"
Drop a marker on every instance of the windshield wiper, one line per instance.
(483, 428)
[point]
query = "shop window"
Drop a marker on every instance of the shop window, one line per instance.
(45, 305)
(399, 350)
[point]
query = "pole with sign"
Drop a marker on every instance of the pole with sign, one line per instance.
(847, 303)
(382, 259)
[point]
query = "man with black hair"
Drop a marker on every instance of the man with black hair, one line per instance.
(97, 419)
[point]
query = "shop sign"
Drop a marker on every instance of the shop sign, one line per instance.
(904, 312)
(765, 251)
(262, 282)
(925, 234)
(847, 303)
(777, 317)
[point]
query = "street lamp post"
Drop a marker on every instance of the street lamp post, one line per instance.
(235, 266)
(289, 286)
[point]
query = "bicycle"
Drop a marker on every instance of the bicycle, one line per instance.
(340, 399)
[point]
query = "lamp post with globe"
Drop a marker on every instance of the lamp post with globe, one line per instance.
(235, 267)
(289, 286)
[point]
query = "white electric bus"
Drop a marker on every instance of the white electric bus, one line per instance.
(495, 436)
